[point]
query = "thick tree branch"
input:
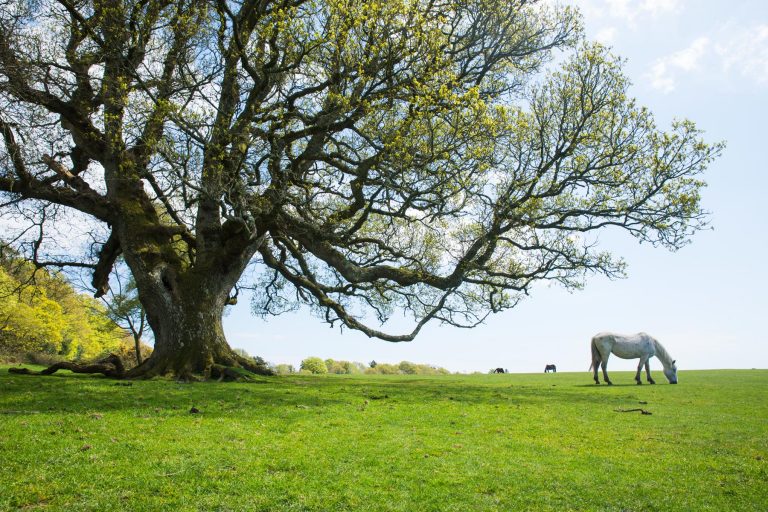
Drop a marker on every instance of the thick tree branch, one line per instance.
(107, 257)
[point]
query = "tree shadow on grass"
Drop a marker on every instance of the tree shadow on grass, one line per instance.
(70, 393)
(614, 385)
(290, 396)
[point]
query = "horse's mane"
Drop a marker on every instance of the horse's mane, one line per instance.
(662, 353)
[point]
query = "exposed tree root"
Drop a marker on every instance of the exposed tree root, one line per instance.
(230, 374)
(234, 369)
(111, 366)
(253, 366)
(146, 370)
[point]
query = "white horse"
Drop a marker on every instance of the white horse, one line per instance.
(639, 345)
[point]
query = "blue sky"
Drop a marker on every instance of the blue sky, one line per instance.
(703, 60)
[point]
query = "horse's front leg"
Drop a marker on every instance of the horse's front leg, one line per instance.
(643, 361)
(648, 371)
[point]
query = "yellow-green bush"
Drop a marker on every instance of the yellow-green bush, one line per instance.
(40, 313)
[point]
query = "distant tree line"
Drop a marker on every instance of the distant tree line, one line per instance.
(317, 366)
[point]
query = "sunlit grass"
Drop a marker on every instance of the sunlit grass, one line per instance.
(496, 442)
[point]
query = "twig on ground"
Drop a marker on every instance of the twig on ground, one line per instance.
(642, 411)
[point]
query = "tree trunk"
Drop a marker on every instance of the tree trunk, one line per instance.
(183, 297)
(189, 340)
(185, 314)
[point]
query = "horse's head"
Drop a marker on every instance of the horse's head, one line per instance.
(670, 372)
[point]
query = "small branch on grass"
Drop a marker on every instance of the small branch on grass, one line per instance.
(642, 411)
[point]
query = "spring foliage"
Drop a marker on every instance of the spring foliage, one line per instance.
(436, 158)
(46, 315)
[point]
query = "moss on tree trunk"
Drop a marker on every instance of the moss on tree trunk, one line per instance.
(189, 335)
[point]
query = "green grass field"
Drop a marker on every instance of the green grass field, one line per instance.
(464, 443)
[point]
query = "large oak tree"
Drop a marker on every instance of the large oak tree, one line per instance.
(432, 156)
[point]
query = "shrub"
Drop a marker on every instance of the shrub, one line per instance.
(343, 367)
(11, 357)
(388, 369)
(43, 358)
(127, 353)
(284, 369)
(314, 365)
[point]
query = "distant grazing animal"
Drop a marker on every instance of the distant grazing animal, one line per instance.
(498, 370)
(550, 368)
(639, 345)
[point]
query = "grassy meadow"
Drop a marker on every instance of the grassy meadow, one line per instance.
(389, 443)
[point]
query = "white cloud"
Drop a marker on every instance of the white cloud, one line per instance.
(606, 35)
(659, 7)
(731, 49)
(664, 71)
(733, 53)
(746, 52)
(628, 11)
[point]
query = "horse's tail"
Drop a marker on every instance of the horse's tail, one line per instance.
(595, 355)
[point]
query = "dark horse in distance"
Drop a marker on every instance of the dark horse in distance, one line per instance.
(550, 368)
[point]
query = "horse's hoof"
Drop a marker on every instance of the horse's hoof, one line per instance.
(639, 383)
(609, 383)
